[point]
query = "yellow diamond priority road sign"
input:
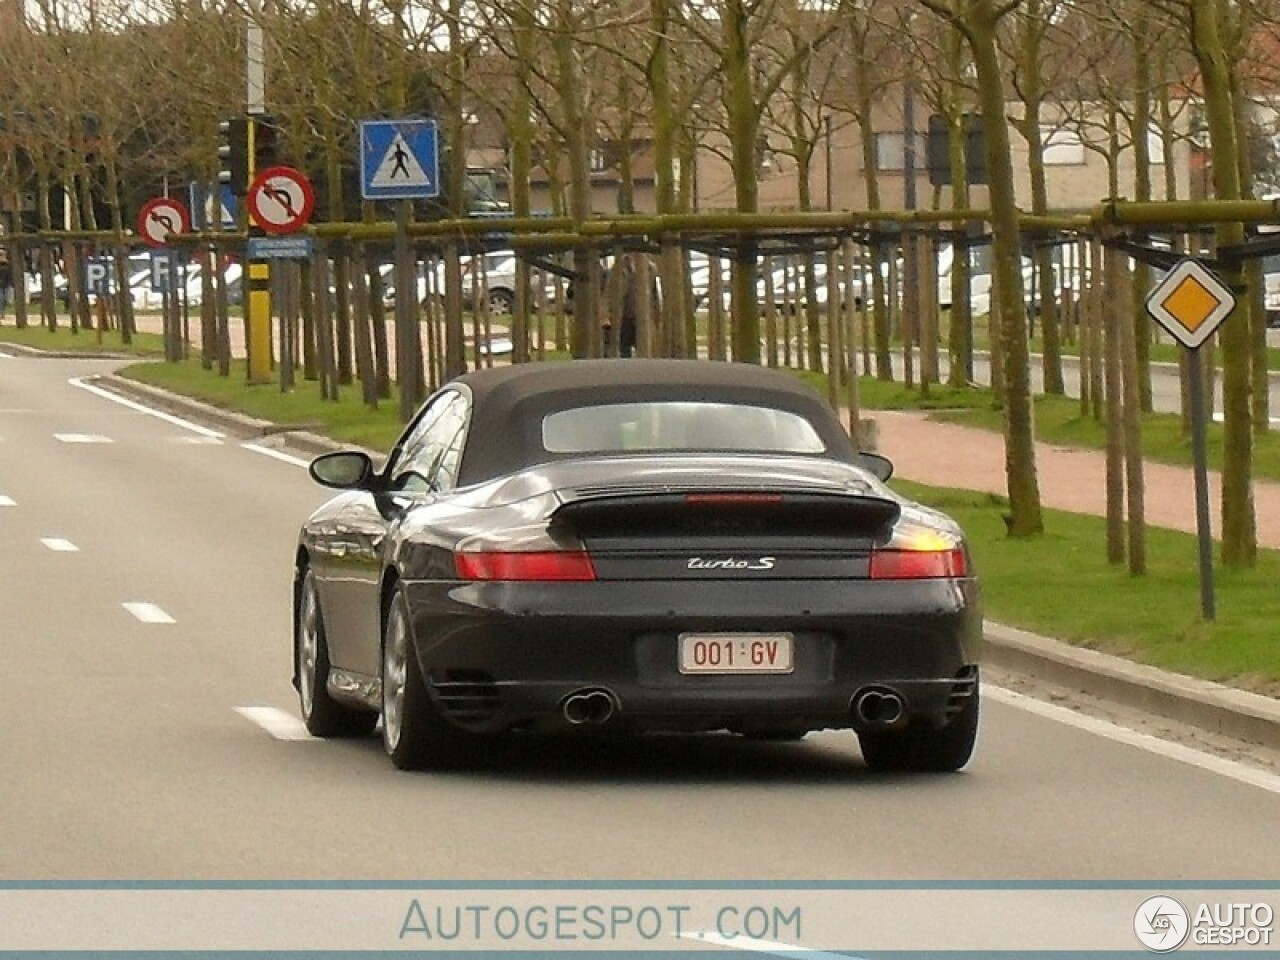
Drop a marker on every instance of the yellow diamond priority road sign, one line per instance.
(1190, 302)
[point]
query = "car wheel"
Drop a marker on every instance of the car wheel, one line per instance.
(323, 715)
(502, 303)
(415, 735)
(924, 750)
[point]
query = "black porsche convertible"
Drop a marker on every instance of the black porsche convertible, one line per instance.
(632, 546)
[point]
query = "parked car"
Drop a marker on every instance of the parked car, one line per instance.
(629, 546)
(786, 274)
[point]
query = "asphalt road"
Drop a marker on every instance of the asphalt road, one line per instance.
(126, 754)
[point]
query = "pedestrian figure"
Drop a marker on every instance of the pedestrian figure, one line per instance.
(402, 157)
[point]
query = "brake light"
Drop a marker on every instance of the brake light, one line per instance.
(525, 565)
(732, 499)
(918, 564)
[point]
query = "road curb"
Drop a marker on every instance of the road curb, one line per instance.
(1209, 706)
(242, 425)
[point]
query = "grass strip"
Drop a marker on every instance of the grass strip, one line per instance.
(64, 340)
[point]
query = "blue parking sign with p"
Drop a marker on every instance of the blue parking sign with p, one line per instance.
(97, 275)
(160, 270)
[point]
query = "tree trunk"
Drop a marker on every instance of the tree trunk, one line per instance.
(1020, 455)
(1239, 525)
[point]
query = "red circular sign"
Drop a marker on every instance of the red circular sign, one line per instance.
(161, 217)
(281, 199)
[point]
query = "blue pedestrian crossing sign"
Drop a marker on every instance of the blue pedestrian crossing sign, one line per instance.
(213, 206)
(399, 160)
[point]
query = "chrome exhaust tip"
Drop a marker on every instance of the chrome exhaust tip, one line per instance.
(879, 708)
(595, 707)
(599, 707)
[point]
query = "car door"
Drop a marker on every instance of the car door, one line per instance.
(352, 555)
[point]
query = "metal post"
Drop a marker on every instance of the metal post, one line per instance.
(257, 301)
(826, 119)
(1204, 534)
(910, 274)
(406, 294)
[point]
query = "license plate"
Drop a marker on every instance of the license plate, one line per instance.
(735, 653)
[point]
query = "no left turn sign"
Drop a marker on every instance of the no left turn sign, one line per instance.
(280, 200)
(160, 217)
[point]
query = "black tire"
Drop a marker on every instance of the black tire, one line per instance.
(323, 716)
(414, 734)
(924, 750)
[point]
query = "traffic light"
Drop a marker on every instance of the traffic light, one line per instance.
(266, 143)
(233, 154)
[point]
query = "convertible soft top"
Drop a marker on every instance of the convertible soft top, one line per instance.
(509, 403)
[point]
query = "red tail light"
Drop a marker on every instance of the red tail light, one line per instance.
(543, 565)
(917, 564)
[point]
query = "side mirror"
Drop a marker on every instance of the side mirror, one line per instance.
(345, 470)
(878, 466)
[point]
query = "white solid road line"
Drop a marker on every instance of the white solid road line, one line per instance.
(148, 612)
(275, 454)
(278, 723)
(140, 408)
(58, 545)
(1165, 748)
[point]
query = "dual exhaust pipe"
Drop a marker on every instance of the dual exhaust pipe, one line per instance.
(879, 708)
(588, 707)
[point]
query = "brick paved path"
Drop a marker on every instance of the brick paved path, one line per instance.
(942, 454)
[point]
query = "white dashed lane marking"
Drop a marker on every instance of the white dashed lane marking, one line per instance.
(7, 501)
(148, 613)
(82, 438)
(58, 545)
(278, 723)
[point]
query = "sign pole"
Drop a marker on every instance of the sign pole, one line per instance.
(1195, 387)
(257, 301)
(1191, 303)
(406, 292)
(399, 160)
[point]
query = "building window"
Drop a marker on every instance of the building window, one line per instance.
(599, 160)
(1061, 147)
(1155, 145)
(889, 149)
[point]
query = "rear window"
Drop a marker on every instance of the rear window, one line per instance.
(678, 425)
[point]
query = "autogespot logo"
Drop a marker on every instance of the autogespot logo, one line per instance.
(1161, 924)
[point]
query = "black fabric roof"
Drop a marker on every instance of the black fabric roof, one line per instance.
(509, 403)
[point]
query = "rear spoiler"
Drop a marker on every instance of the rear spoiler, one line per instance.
(856, 514)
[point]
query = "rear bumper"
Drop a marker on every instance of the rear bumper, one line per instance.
(500, 655)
